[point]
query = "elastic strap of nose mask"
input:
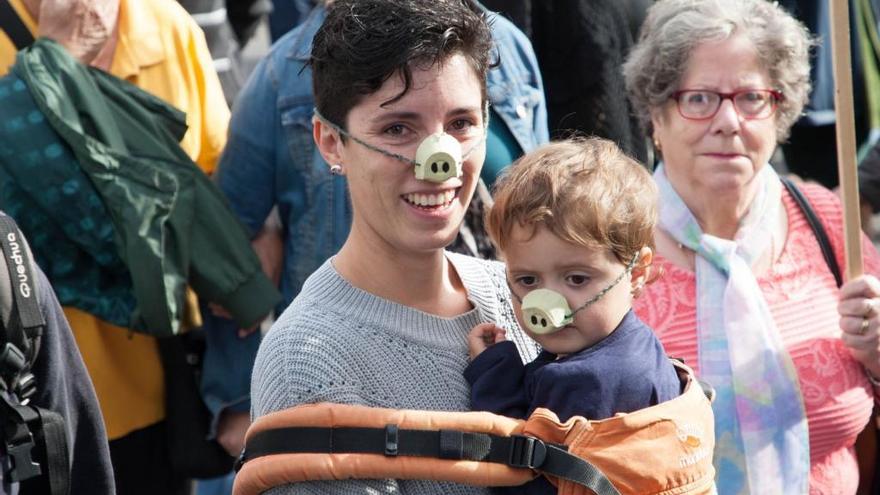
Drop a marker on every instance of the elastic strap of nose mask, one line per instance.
(402, 158)
(599, 295)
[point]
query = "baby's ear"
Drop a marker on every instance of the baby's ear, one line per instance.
(641, 272)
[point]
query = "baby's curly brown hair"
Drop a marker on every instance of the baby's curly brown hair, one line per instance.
(585, 191)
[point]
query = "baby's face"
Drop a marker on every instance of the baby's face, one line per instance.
(544, 261)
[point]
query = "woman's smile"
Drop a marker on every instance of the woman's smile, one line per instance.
(432, 205)
(430, 200)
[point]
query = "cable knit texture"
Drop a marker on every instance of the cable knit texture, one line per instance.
(337, 343)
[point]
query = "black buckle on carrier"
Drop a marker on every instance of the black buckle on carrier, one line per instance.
(526, 452)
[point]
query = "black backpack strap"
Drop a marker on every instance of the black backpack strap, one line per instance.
(817, 227)
(516, 450)
(35, 441)
(12, 25)
(21, 319)
(34, 438)
(50, 452)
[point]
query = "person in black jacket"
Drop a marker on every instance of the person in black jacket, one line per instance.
(581, 46)
(64, 387)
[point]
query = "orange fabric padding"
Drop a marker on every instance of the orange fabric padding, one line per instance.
(262, 473)
(661, 450)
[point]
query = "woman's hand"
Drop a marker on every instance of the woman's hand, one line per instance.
(484, 335)
(269, 247)
(231, 430)
(859, 310)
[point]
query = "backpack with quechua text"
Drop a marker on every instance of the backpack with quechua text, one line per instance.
(32, 439)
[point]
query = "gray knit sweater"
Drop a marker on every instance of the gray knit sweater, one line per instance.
(337, 343)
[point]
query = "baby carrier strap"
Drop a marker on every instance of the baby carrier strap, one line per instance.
(516, 451)
(362, 442)
(336, 441)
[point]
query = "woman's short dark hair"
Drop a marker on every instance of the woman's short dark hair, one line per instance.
(362, 43)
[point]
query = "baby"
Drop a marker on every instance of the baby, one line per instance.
(574, 223)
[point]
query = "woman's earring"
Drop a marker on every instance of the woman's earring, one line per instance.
(637, 290)
(336, 169)
(657, 144)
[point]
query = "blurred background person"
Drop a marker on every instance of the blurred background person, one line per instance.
(747, 298)
(158, 47)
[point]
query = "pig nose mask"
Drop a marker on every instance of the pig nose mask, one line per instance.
(439, 156)
(546, 311)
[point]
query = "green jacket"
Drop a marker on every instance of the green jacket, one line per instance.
(119, 217)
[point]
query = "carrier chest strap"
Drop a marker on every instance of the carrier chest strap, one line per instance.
(516, 451)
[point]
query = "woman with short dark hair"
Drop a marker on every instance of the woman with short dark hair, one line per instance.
(400, 89)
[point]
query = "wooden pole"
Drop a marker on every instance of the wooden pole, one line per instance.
(846, 137)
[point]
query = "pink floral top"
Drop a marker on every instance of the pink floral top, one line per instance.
(802, 295)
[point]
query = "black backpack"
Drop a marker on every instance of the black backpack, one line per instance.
(33, 439)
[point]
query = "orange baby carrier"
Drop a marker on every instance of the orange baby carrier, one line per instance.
(663, 450)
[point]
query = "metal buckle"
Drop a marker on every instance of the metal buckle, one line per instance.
(526, 452)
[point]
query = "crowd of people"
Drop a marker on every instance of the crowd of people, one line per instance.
(384, 191)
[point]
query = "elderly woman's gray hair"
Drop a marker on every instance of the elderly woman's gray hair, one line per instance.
(673, 28)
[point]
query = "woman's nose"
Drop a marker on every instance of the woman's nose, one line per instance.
(727, 119)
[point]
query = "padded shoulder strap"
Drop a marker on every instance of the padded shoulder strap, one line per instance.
(516, 451)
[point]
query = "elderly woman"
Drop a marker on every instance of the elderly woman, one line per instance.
(746, 297)
(385, 321)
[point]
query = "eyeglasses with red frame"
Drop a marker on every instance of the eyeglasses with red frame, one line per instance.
(703, 104)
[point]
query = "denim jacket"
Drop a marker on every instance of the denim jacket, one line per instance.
(271, 159)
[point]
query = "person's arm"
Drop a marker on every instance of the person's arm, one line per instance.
(859, 310)
(247, 168)
(859, 299)
(497, 377)
(540, 125)
(64, 386)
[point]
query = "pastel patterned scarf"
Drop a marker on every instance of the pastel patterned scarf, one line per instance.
(760, 424)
